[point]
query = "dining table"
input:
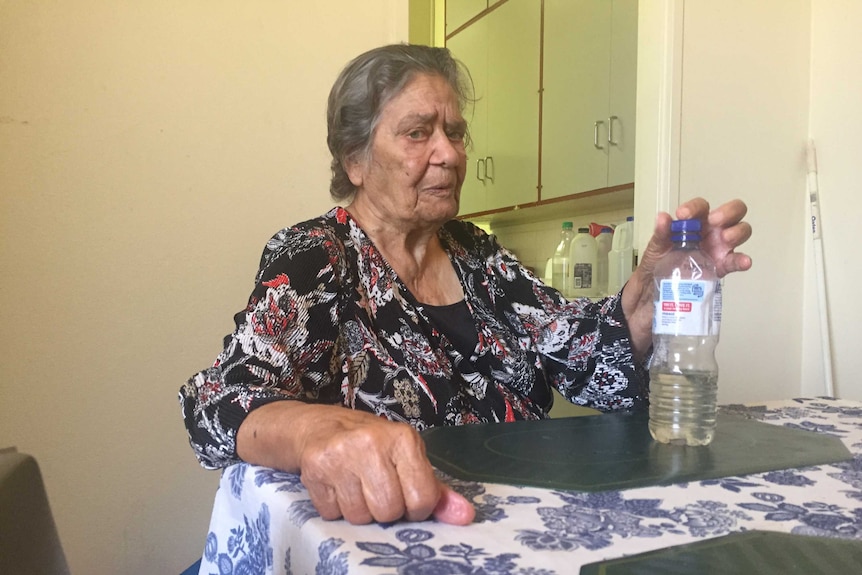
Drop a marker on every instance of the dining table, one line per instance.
(263, 520)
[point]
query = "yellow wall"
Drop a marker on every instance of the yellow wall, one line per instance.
(427, 22)
(147, 152)
(421, 22)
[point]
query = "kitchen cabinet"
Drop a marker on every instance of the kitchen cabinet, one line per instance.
(502, 52)
(588, 101)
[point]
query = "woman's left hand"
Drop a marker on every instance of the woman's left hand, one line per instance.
(722, 232)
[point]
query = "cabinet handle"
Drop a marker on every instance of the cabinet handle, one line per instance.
(489, 163)
(596, 135)
(611, 131)
(480, 163)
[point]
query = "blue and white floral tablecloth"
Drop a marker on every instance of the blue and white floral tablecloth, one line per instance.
(263, 520)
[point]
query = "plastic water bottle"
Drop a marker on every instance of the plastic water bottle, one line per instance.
(621, 257)
(604, 243)
(584, 257)
(683, 370)
(561, 276)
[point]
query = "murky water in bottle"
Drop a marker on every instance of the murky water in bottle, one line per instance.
(682, 407)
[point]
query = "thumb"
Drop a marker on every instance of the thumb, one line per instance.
(659, 243)
(453, 508)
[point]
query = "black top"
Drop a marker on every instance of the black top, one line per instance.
(457, 324)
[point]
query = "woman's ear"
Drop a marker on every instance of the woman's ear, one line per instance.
(355, 169)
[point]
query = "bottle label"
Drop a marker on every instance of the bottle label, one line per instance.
(583, 276)
(716, 310)
(688, 307)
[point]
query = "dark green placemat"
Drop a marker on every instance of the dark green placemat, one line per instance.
(752, 552)
(616, 451)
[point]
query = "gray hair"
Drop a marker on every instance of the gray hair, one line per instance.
(365, 86)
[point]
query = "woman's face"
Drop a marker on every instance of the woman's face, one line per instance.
(412, 177)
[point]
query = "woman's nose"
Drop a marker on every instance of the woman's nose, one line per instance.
(447, 151)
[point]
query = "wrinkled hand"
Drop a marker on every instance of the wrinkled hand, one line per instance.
(376, 470)
(722, 232)
(354, 464)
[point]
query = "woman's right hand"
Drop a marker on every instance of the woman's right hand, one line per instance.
(354, 464)
(723, 231)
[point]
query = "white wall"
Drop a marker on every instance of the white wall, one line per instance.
(743, 134)
(757, 80)
(835, 125)
(147, 152)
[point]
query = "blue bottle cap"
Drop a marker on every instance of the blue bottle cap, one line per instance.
(677, 226)
(685, 231)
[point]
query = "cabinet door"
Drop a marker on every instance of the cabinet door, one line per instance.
(623, 91)
(513, 103)
(458, 12)
(575, 96)
(470, 46)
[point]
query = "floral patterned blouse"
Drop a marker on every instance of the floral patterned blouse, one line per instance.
(329, 321)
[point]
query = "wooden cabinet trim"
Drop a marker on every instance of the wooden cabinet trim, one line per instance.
(475, 18)
(540, 203)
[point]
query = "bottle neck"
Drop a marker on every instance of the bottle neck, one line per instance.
(686, 245)
(686, 242)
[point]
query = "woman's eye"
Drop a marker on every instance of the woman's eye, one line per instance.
(456, 135)
(416, 134)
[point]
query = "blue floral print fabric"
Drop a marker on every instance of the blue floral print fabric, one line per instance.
(329, 321)
(263, 520)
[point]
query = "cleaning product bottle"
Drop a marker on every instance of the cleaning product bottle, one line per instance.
(621, 257)
(561, 277)
(604, 243)
(584, 260)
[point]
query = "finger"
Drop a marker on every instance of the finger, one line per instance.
(660, 242)
(662, 226)
(324, 500)
(695, 208)
(338, 497)
(419, 486)
(453, 508)
(351, 502)
(734, 262)
(728, 214)
(382, 492)
(736, 235)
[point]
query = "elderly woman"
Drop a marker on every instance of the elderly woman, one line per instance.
(388, 316)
